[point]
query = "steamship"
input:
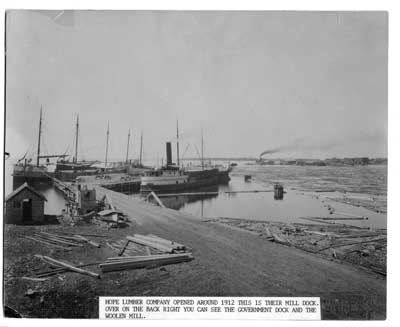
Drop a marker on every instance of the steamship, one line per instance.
(173, 178)
(165, 179)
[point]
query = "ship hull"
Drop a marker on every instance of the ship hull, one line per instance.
(195, 179)
(30, 174)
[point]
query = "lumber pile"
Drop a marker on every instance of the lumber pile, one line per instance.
(158, 243)
(154, 251)
(137, 262)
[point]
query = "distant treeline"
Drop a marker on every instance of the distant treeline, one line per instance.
(358, 161)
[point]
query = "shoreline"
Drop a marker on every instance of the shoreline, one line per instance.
(226, 262)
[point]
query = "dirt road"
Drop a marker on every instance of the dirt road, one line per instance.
(231, 262)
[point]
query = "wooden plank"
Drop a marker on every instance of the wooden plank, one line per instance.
(47, 243)
(70, 266)
(162, 241)
(148, 250)
(93, 235)
(64, 237)
(59, 240)
(144, 257)
(95, 244)
(154, 195)
(123, 248)
(62, 270)
(167, 259)
(157, 246)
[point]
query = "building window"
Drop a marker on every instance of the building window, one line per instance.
(17, 204)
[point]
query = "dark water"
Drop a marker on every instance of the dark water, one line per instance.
(262, 205)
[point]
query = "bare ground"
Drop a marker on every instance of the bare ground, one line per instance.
(228, 262)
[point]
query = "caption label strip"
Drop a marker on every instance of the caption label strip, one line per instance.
(268, 308)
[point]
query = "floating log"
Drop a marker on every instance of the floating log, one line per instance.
(268, 234)
(350, 215)
(318, 233)
(343, 218)
(353, 243)
(280, 240)
(164, 195)
(70, 266)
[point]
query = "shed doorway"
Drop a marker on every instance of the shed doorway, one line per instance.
(27, 210)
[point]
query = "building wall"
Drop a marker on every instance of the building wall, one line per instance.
(14, 215)
(87, 200)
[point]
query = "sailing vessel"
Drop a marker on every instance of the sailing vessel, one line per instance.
(66, 168)
(25, 171)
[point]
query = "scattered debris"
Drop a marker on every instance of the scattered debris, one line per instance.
(346, 243)
(31, 293)
(67, 265)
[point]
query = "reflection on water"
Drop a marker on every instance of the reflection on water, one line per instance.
(248, 205)
(263, 206)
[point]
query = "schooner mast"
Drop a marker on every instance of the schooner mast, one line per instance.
(75, 158)
(127, 146)
(141, 148)
(40, 134)
(108, 132)
(177, 143)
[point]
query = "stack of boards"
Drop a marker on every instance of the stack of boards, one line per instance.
(171, 252)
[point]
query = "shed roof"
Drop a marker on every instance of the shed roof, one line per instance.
(22, 187)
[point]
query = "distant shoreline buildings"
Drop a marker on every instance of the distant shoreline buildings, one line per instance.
(356, 161)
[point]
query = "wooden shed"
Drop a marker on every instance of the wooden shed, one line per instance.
(24, 205)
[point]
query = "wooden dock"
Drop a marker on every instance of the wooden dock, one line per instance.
(126, 187)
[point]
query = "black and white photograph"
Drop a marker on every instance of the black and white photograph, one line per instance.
(195, 164)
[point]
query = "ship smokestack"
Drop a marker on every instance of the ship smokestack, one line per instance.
(169, 154)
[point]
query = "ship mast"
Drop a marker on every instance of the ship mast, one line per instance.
(202, 150)
(141, 148)
(177, 143)
(108, 132)
(76, 139)
(127, 146)
(40, 134)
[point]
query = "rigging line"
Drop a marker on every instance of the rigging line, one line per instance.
(198, 153)
(184, 152)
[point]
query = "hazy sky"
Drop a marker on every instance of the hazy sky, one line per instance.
(311, 83)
